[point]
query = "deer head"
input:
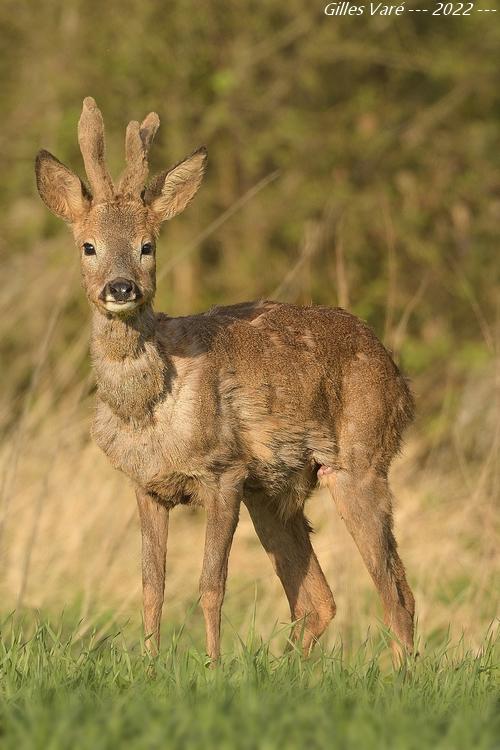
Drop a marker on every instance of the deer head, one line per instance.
(115, 228)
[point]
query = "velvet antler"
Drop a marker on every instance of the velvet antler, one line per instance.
(138, 139)
(91, 140)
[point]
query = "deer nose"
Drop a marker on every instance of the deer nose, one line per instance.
(121, 290)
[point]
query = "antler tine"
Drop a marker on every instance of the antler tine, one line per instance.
(138, 139)
(91, 140)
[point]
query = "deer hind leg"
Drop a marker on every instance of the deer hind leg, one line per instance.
(364, 502)
(289, 548)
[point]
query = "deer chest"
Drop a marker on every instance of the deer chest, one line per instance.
(169, 458)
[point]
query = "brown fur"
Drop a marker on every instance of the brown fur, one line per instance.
(242, 403)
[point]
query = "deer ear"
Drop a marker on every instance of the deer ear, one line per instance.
(169, 192)
(60, 189)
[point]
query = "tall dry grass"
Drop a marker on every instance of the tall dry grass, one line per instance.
(68, 527)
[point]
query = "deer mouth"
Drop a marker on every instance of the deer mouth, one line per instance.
(121, 306)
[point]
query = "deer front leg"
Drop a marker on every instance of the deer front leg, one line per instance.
(154, 528)
(222, 519)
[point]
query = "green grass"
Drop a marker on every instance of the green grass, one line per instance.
(59, 692)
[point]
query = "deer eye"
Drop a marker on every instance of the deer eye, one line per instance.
(147, 248)
(88, 248)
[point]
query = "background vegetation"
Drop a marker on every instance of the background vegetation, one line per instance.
(353, 161)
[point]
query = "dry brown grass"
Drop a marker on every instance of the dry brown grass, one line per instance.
(69, 531)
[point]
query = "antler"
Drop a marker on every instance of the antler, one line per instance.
(138, 139)
(91, 140)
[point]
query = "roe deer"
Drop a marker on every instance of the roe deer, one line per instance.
(255, 402)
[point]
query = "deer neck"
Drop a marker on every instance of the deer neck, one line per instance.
(132, 372)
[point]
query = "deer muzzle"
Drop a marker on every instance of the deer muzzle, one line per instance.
(121, 294)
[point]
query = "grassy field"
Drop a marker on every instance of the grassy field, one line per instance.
(59, 691)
